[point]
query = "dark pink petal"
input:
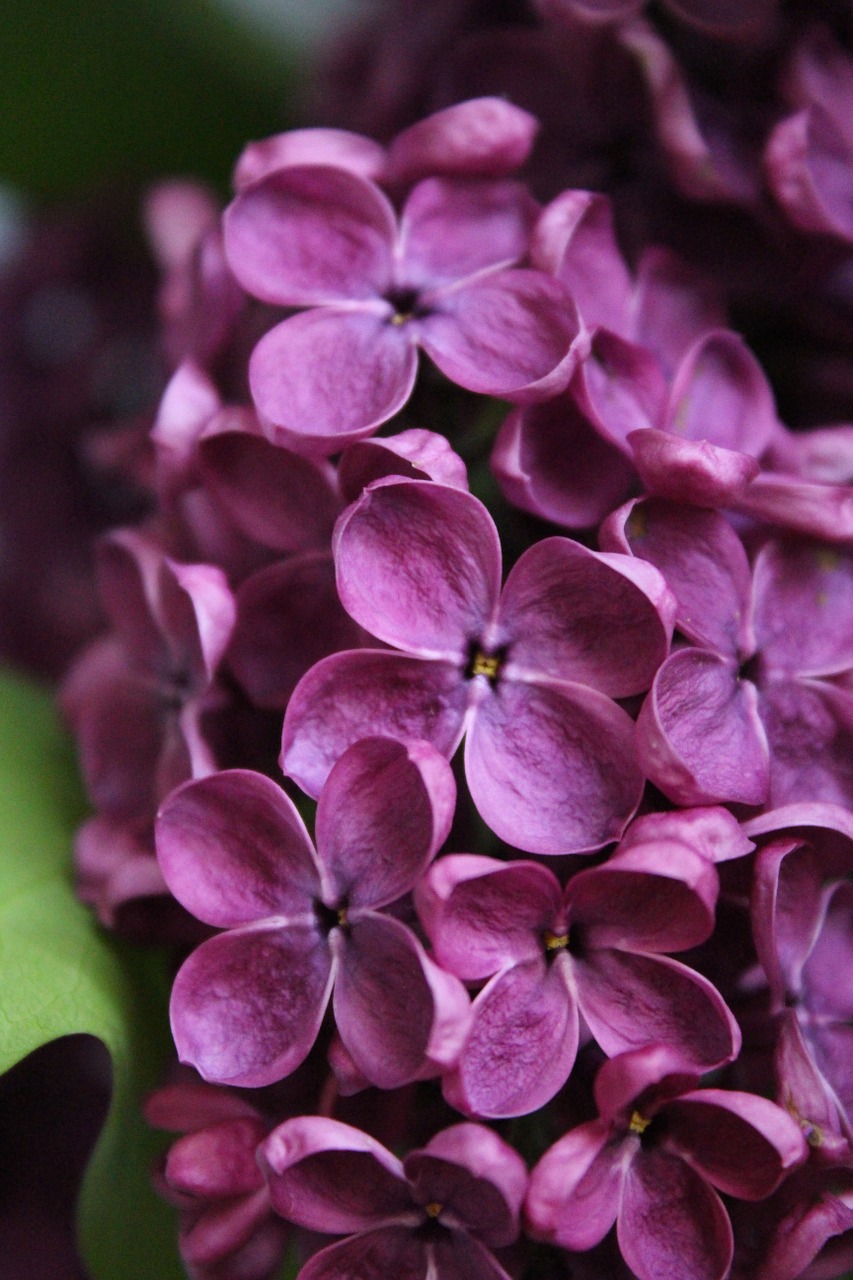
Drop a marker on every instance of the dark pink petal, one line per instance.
(805, 1094)
(743, 1144)
(811, 1224)
(705, 567)
(522, 1043)
(699, 735)
(481, 914)
(480, 138)
(275, 497)
(621, 387)
(232, 1233)
(828, 828)
(828, 971)
(592, 617)
(657, 897)
(419, 566)
(385, 810)
(575, 1188)
(816, 510)
(193, 1105)
(328, 1176)
(734, 18)
(807, 159)
(399, 1015)
(551, 766)
(551, 461)
(128, 565)
(492, 1164)
(188, 404)
(311, 234)
(219, 1160)
(644, 1079)
(451, 229)
(326, 377)
(365, 693)
(247, 1005)
(335, 147)
(721, 394)
(671, 1223)
(692, 472)
(574, 240)
(673, 306)
(809, 727)
(198, 612)
(375, 1255)
(288, 617)
(787, 908)
(509, 333)
(632, 1000)
(233, 849)
(415, 454)
(804, 608)
(713, 832)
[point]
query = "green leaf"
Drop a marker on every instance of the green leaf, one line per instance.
(62, 974)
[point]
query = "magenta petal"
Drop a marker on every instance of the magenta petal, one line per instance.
(575, 1188)
(551, 767)
(804, 607)
(632, 1000)
(198, 612)
(452, 229)
(787, 907)
(328, 1176)
(586, 616)
(575, 240)
(690, 471)
(233, 849)
(419, 566)
(816, 510)
(807, 159)
(128, 565)
(310, 234)
(509, 333)
(480, 138)
(810, 730)
(522, 1043)
(368, 693)
(326, 377)
(336, 147)
(674, 305)
(218, 1160)
(828, 972)
(399, 1015)
(699, 735)
(374, 1255)
(743, 1144)
(671, 1223)
(491, 1163)
(415, 454)
(384, 811)
(247, 1005)
(720, 393)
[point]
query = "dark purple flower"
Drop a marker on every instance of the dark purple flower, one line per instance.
(530, 672)
(247, 1005)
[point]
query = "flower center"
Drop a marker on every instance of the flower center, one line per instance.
(556, 941)
(638, 1123)
(485, 664)
(405, 304)
(433, 1209)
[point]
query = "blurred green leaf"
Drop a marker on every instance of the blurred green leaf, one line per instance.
(61, 974)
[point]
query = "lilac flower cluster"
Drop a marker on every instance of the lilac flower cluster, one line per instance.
(593, 973)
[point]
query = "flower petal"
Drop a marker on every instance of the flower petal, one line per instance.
(575, 1188)
(804, 607)
(479, 138)
(489, 1203)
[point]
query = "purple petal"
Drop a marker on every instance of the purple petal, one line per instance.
(415, 454)
(713, 832)
(198, 612)
(549, 460)
(671, 1223)
(219, 1160)
(585, 616)
(399, 1015)
(816, 510)
(382, 815)
(826, 827)
(128, 566)
(621, 387)
(787, 906)
(311, 234)
(335, 147)
(522, 1043)
(551, 767)
(807, 159)
(805, 1094)
(743, 1144)
(326, 377)
(419, 566)
(368, 693)
(452, 228)
(492, 1164)
(575, 1188)
(574, 240)
(809, 727)
(233, 849)
(674, 305)
(630, 1001)
(288, 618)
(480, 138)
(804, 608)
(699, 735)
(510, 333)
(692, 472)
(828, 972)
(187, 405)
(328, 1176)
(374, 1255)
(481, 914)
(721, 394)
(247, 1005)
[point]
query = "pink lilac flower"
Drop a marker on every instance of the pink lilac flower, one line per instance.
(654, 1162)
(754, 708)
(299, 923)
(529, 672)
(436, 1215)
(443, 278)
(551, 955)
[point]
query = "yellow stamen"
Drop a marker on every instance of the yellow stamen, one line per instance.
(555, 941)
(342, 916)
(638, 1124)
(399, 319)
(433, 1210)
(486, 665)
